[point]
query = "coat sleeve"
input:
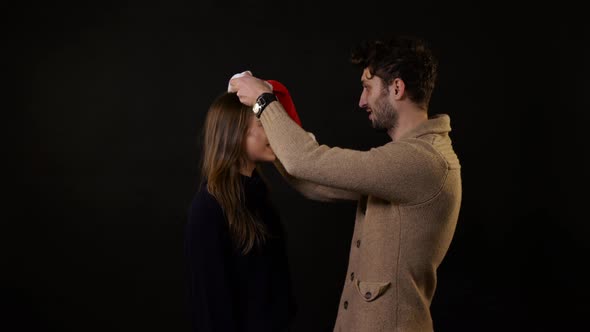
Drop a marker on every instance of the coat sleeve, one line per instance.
(402, 172)
(315, 191)
(211, 299)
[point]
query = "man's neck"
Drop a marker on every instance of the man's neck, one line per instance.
(407, 121)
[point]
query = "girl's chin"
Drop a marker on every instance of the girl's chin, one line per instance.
(267, 159)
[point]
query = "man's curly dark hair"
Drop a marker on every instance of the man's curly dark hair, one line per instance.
(404, 57)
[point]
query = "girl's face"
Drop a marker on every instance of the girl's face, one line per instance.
(257, 147)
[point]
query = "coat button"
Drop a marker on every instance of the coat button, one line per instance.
(358, 243)
(368, 295)
(345, 305)
(351, 276)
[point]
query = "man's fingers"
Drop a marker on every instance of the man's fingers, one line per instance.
(241, 97)
(232, 85)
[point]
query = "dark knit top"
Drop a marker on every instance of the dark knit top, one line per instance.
(229, 291)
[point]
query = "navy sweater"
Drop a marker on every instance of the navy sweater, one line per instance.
(229, 291)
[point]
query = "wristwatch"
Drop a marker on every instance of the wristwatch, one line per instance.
(262, 101)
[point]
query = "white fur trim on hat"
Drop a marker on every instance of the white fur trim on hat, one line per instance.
(246, 72)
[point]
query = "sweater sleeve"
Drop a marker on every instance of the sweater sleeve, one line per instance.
(397, 171)
(315, 191)
(210, 299)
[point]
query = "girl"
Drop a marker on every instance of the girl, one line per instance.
(238, 268)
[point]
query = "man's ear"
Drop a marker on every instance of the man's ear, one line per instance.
(397, 88)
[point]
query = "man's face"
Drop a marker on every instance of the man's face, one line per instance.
(375, 100)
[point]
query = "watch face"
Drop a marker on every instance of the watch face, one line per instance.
(256, 108)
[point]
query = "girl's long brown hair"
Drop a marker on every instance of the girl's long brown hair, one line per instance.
(224, 153)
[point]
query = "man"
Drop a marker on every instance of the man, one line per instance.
(408, 190)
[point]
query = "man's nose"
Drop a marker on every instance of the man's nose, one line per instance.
(363, 101)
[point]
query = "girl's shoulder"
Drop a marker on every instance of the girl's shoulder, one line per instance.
(204, 205)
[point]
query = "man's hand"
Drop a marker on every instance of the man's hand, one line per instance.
(248, 88)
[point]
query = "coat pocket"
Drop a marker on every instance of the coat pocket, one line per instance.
(369, 291)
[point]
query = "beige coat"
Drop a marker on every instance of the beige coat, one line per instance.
(409, 196)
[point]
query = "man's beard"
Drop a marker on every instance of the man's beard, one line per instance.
(385, 116)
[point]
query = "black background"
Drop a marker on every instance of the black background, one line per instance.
(111, 99)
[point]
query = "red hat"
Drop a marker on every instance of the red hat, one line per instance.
(280, 90)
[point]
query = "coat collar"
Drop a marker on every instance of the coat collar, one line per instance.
(436, 124)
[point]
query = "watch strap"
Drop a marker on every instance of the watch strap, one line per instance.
(262, 101)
